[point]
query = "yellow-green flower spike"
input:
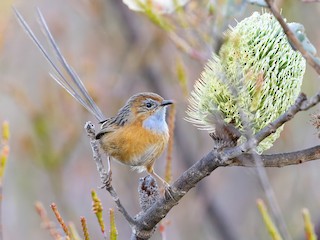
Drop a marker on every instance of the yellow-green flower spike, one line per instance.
(257, 74)
(4, 149)
(73, 232)
(113, 229)
(308, 225)
(97, 209)
(5, 131)
(272, 229)
(4, 153)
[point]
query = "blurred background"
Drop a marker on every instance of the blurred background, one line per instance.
(117, 53)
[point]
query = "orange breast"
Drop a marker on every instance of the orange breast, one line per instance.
(134, 145)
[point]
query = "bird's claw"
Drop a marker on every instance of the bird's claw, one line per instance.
(106, 180)
(168, 192)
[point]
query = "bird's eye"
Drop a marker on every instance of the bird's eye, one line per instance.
(148, 105)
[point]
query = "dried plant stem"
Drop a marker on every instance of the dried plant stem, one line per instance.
(60, 220)
(186, 48)
(171, 122)
(47, 224)
(266, 186)
(85, 228)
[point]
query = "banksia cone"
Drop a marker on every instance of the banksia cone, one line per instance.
(257, 75)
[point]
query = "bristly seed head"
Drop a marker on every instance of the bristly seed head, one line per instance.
(257, 73)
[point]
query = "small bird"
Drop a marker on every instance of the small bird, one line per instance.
(137, 135)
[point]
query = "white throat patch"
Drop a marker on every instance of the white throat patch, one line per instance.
(157, 121)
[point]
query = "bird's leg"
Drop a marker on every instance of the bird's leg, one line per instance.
(167, 187)
(164, 183)
(109, 172)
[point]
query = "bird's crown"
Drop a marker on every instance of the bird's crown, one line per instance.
(144, 102)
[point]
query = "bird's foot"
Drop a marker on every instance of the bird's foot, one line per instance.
(168, 191)
(106, 180)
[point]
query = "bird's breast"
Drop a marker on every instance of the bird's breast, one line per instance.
(134, 144)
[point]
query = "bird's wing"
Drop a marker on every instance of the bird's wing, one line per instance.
(108, 126)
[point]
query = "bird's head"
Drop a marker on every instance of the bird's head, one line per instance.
(149, 109)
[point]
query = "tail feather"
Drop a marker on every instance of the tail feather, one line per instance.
(74, 86)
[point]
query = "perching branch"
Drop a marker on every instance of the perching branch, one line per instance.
(89, 127)
(209, 163)
(236, 156)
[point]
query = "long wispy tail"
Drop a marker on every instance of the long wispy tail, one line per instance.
(72, 84)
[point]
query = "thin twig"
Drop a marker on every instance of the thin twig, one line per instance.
(264, 180)
(279, 160)
(120, 207)
(292, 38)
(89, 127)
(184, 46)
(46, 223)
(271, 197)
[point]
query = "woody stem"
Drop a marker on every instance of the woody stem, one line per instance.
(104, 174)
(235, 156)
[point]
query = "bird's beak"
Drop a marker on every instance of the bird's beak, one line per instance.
(166, 102)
